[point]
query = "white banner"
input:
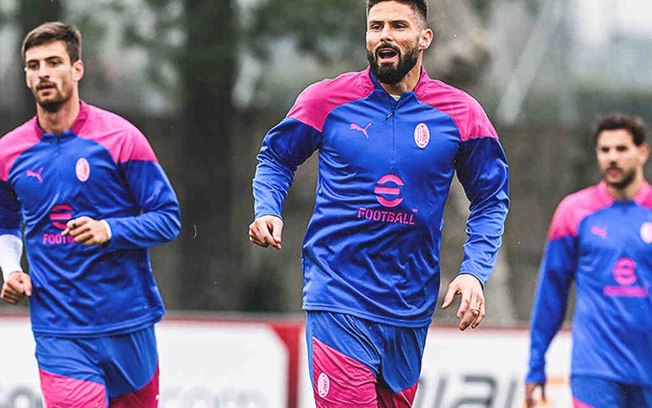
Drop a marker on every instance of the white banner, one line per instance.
(203, 365)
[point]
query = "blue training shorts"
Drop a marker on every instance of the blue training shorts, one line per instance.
(595, 392)
(357, 362)
(115, 370)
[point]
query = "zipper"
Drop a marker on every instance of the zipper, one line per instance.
(392, 116)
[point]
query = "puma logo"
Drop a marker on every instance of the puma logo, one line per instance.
(601, 232)
(36, 174)
(361, 129)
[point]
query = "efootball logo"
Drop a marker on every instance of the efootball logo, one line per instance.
(388, 190)
(60, 215)
(625, 271)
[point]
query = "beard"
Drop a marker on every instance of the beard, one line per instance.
(51, 106)
(52, 103)
(628, 178)
(386, 73)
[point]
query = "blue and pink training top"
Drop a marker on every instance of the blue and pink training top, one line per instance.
(385, 168)
(605, 246)
(104, 168)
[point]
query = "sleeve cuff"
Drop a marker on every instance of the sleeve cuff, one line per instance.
(11, 250)
(108, 229)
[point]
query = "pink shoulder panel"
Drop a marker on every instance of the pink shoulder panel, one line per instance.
(14, 143)
(575, 207)
(644, 197)
(466, 112)
(122, 139)
(315, 103)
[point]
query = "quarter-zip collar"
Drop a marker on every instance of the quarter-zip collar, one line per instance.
(74, 129)
(640, 197)
(418, 89)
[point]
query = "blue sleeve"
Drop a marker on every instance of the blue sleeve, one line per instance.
(285, 147)
(159, 219)
(10, 221)
(483, 172)
(555, 277)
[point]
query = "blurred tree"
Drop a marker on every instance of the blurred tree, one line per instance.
(207, 65)
(31, 13)
(326, 29)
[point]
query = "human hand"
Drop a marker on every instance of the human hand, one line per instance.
(86, 231)
(266, 231)
(16, 287)
(471, 310)
(530, 388)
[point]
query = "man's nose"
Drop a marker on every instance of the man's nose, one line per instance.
(387, 34)
(612, 154)
(43, 71)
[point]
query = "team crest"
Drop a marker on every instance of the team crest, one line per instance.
(646, 232)
(83, 169)
(422, 135)
(323, 385)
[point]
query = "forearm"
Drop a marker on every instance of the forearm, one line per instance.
(270, 188)
(144, 230)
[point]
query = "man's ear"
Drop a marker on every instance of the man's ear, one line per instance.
(425, 39)
(78, 70)
(644, 151)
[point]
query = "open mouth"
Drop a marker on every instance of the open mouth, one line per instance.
(386, 54)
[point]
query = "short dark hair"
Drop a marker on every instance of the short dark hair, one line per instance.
(420, 7)
(55, 31)
(615, 121)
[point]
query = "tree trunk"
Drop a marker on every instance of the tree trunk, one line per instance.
(32, 13)
(208, 67)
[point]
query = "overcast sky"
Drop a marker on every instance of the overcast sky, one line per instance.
(597, 20)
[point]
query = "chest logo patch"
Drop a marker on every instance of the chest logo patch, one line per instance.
(625, 271)
(422, 135)
(646, 232)
(83, 169)
(60, 215)
(38, 175)
(388, 190)
(355, 126)
(599, 231)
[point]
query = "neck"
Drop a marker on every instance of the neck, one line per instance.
(61, 120)
(628, 192)
(408, 83)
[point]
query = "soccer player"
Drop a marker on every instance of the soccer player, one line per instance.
(601, 238)
(91, 196)
(390, 140)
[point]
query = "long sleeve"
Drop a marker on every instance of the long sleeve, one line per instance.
(482, 169)
(285, 147)
(159, 217)
(556, 274)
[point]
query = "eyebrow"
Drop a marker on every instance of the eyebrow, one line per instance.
(52, 57)
(403, 20)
